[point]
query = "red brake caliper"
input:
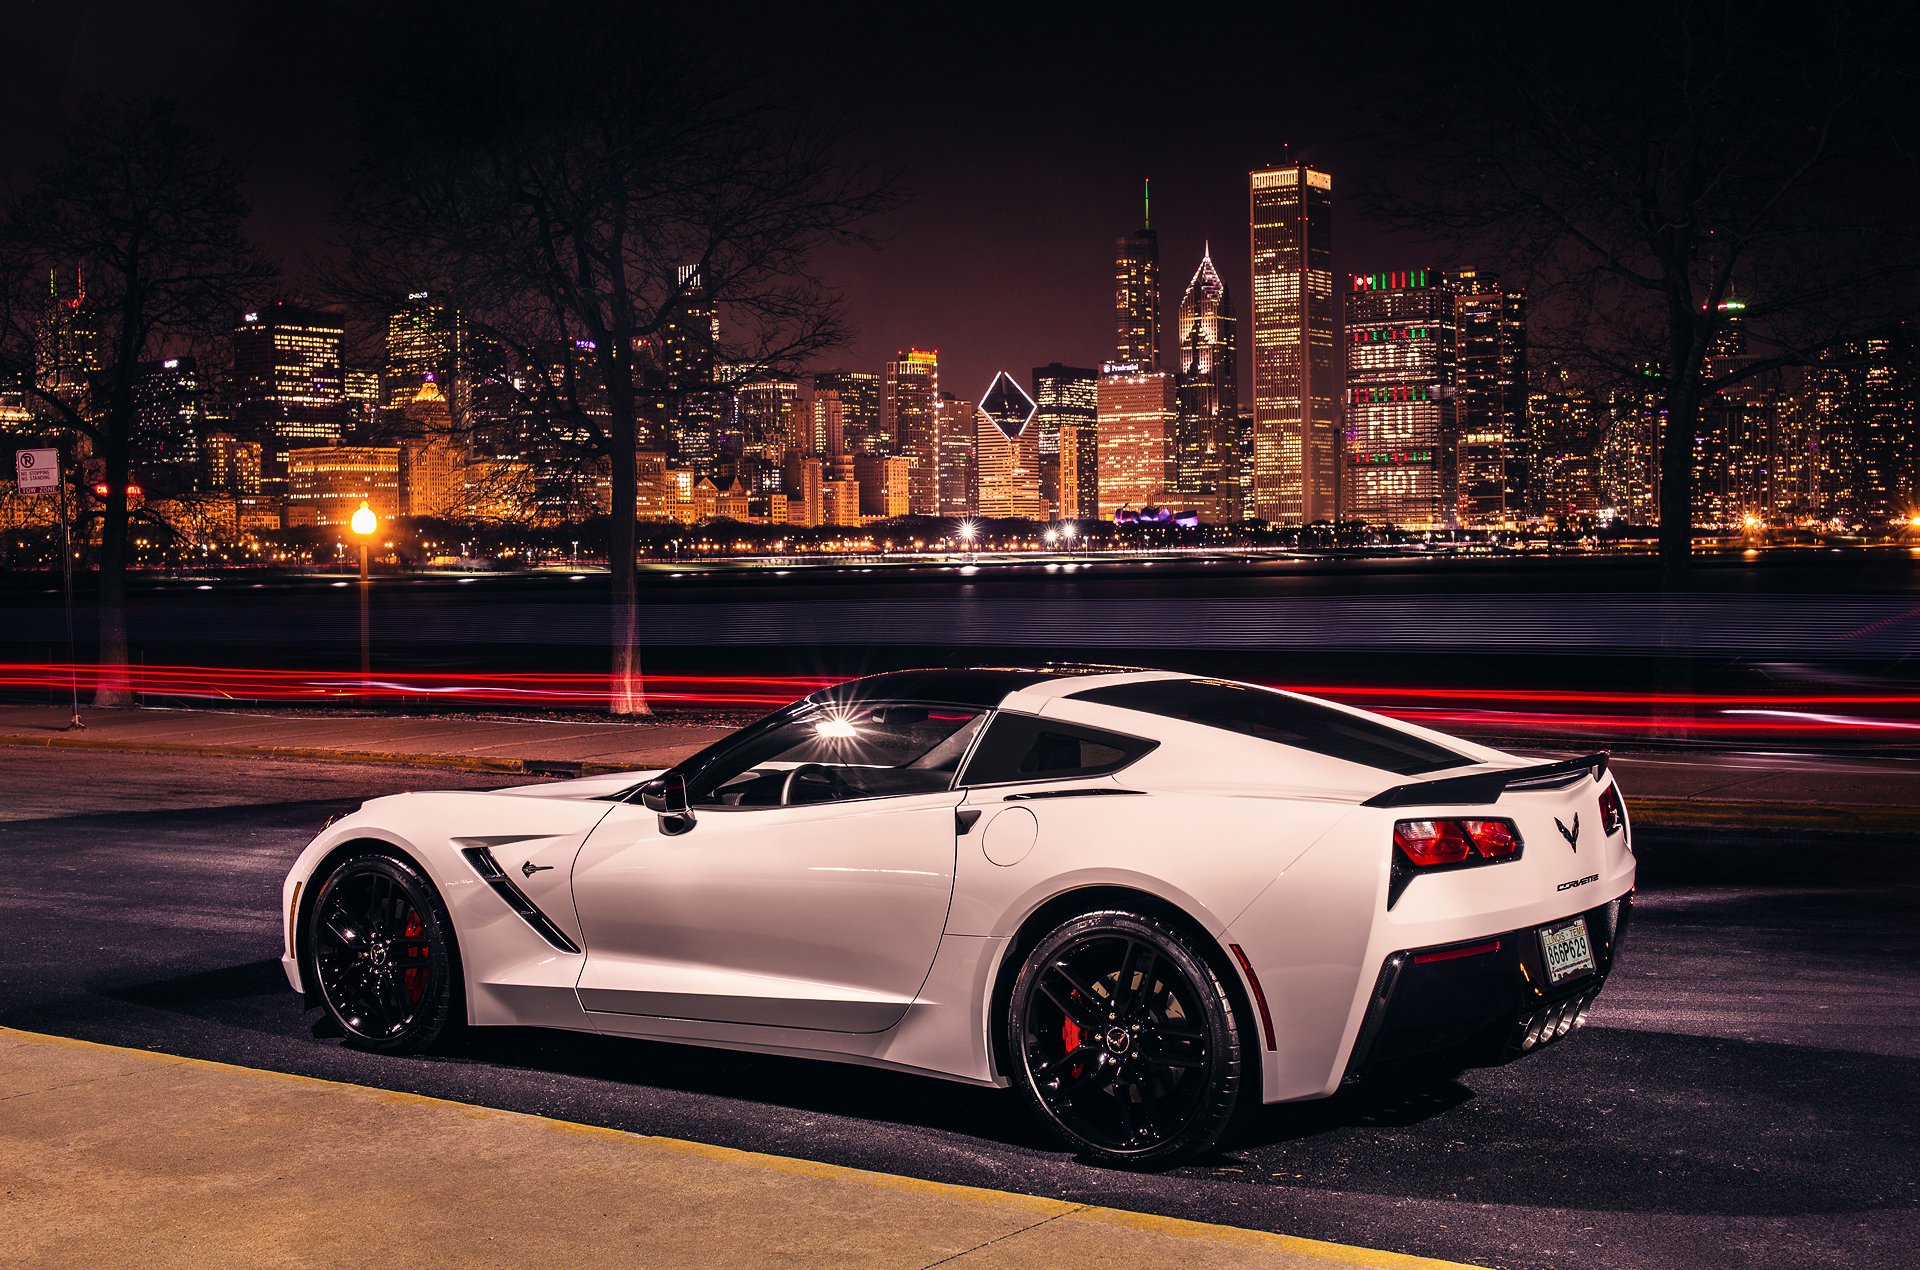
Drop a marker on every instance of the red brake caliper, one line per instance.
(1070, 1035)
(416, 976)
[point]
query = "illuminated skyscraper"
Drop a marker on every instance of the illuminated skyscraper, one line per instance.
(1205, 458)
(1136, 296)
(1401, 424)
(1490, 370)
(1867, 408)
(1066, 404)
(1135, 424)
(288, 388)
(1008, 452)
(959, 474)
(912, 386)
(423, 338)
(168, 425)
(1293, 472)
(691, 333)
(846, 414)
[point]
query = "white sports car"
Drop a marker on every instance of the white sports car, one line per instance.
(1143, 899)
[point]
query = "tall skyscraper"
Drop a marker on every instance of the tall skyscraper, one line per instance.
(912, 386)
(423, 339)
(1205, 458)
(288, 387)
(169, 424)
(691, 333)
(1136, 295)
(1867, 395)
(1008, 452)
(1066, 414)
(1293, 473)
(1135, 424)
(1402, 436)
(955, 423)
(1490, 372)
(846, 414)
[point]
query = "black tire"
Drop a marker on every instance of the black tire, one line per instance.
(382, 956)
(1124, 1042)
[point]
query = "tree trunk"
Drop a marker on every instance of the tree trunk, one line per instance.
(627, 689)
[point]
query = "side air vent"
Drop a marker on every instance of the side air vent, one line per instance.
(490, 872)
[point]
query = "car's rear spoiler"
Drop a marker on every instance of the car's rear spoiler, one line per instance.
(1486, 787)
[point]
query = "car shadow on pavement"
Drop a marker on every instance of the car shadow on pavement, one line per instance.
(1622, 1120)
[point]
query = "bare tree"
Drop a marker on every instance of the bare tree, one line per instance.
(144, 217)
(1639, 166)
(552, 178)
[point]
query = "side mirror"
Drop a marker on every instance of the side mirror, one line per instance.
(667, 797)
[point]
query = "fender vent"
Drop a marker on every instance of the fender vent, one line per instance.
(490, 872)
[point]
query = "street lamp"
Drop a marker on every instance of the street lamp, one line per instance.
(968, 532)
(364, 523)
(1069, 531)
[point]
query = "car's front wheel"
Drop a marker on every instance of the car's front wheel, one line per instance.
(1123, 1039)
(382, 955)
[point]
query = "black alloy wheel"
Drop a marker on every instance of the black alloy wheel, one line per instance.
(382, 955)
(1124, 1040)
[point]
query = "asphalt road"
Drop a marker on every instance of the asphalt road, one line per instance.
(1748, 1092)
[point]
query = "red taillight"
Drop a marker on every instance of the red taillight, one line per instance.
(1434, 843)
(1494, 839)
(1430, 842)
(1613, 817)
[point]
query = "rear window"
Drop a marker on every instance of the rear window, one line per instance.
(1020, 747)
(1272, 716)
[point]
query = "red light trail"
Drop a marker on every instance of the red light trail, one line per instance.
(1564, 712)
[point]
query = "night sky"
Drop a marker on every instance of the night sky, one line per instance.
(1023, 134)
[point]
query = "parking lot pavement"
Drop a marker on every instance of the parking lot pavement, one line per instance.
(159, 1160)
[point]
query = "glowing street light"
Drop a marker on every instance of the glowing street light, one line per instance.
(364, 524)
(968, 532)
(1069, 531)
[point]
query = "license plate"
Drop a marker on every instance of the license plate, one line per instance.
(1567, 950)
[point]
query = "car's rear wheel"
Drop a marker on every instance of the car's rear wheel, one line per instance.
(1123, 1039)
(382, 955)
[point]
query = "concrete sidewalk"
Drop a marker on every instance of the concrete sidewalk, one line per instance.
(120, 1157)
(1690, 788)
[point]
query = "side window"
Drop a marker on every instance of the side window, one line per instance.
(1020, 747)
(838, 753)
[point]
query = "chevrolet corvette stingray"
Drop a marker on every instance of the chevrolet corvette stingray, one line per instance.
(1144, 900)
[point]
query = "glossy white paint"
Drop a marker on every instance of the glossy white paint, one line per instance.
(875, 931)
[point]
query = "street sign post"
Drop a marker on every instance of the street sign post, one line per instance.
(37, 471)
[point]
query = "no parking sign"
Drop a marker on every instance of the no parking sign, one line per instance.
(36, 471)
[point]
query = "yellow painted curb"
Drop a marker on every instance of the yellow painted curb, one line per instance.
(1173, 1227)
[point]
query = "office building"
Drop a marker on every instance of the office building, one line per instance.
(1401, 424)
(957, 429)
(423, 339)
(1136, 295)
(288, 387)
(1205, 456)
(846, 414)
(1066, 414)
(169, 423)
(1496, 450)
(909, 392)
(1134, 423)
(326, 484)
(1292, 472)
(1007, 451)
